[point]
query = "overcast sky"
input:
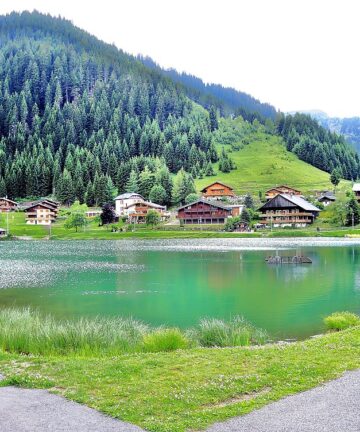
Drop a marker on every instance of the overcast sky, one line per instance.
(295, 54)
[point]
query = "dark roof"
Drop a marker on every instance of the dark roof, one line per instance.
(283, 186)
(327, 197)
(8, 200)
(128, 195)
(289, 201)
(219, 182)
(212, 203)
(41, 204)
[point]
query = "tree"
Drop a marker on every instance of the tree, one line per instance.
(213, 118)
(107, 215)
(335, 178)
(352, 212)
(248, 201)
(158, 194)
(132, 184)
(183, 186)
(245, 216)
(75, 220)
(152, 218)
(191, 198)
(209, 170)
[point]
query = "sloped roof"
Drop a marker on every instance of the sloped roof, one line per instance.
(41, 204)
(278, 188)
(8, 200)
(327, 196)
(212, 203)
(128, 195)
(148, 203)
(216, 182)
(356, 187)
(284, 200)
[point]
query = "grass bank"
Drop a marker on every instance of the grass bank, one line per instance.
(26, 331)
(187, 389)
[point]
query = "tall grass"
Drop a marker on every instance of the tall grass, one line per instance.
(218, 333)
(28, 331)
(341, 321)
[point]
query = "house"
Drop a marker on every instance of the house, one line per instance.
(288, 210)
(137, 212)
(7, 205)
(203, 212)
(282, 189)
(327, 198)
(356, 190)
(41, 213)
(217, 190)
(125, 200)
(2, 232)
(93, 213)
(236, 209)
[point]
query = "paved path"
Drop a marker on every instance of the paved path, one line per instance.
(23, 410)
(333, 407)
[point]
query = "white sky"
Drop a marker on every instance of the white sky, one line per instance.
(295, 54)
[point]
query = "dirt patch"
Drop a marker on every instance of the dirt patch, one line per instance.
(238, 399)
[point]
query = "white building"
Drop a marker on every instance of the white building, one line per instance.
(126, 200)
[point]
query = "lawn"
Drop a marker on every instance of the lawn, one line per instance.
(264, 163)
(190, 389)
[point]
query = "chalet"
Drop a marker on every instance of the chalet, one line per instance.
(327, 198)
(217, 190)
(288, 210)
(93, 213)
(356, 190)
(125, 200)
(203, 212)
(282, 189)
(137, 212)
(236, 209)
(41, 213)
(7, 205)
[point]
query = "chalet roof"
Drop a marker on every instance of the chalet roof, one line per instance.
(8, 200)
(286, 201)
(327, 196)
(41, 204)
(202, 200)
(356, 187)
(278, 188)
(216, 182)
(128, 195)
(55, 203)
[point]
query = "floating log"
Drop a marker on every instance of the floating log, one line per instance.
(296, 259)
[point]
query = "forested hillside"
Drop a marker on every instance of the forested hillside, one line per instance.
(81, 119)
(226, 99)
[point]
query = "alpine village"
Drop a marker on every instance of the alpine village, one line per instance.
(176, 255)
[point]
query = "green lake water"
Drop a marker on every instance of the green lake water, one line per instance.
(177, 282)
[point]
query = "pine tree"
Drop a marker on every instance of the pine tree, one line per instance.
(132, 184)
(158, 194)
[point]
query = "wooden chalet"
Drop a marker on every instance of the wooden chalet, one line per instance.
(41, 213)
(137, 212)
(327, 198)
(288, 210)
(356, 190)
(7, 205)
(282, 189)
(203, 212)
(217, 190)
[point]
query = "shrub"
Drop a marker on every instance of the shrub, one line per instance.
(341, 321)
(218, 333)
(165, 340)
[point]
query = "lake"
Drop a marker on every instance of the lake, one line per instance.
(177, 282)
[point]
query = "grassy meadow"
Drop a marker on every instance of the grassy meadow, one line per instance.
(186, 389)
(264, 163)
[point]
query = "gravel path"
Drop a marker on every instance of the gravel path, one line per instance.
(23, 410)
(333, 407)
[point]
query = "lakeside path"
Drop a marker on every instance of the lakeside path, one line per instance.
(332, 407)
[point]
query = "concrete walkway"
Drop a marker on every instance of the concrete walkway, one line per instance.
(333, 407)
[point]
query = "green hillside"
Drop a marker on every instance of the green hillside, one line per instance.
(265, 162)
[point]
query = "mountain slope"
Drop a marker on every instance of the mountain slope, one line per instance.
(264, 162)
(227, 99)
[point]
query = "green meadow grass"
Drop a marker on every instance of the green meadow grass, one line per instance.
(264, 163)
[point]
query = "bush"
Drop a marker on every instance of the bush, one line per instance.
(165, 340)
(341, 321)
(218, 333)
